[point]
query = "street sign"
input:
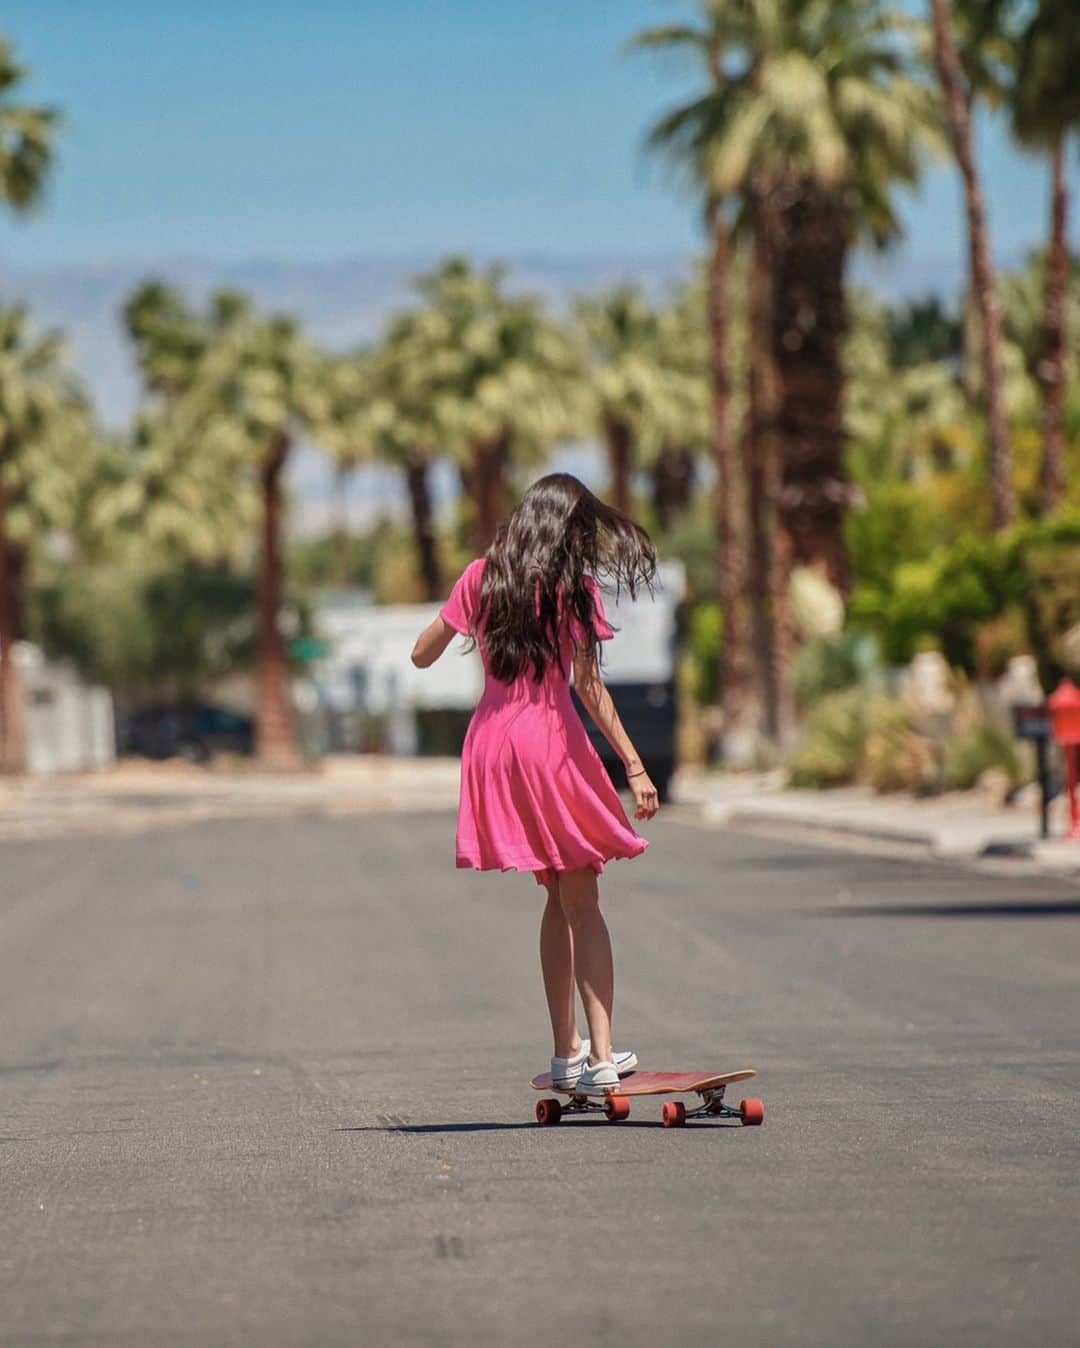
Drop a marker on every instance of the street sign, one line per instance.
(307, 649)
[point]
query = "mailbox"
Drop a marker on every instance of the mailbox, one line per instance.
(1031, 721)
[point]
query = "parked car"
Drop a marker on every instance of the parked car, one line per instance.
(648, 713)
(194, 731)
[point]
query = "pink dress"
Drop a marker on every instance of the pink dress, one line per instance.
(534, 793)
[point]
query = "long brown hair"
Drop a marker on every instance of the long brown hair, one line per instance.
(534, 577)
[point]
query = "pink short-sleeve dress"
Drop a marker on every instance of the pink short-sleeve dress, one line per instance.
(534, 793)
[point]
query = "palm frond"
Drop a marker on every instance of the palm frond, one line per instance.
(669, 37)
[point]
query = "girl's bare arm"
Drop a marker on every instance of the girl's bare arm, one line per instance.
(431, 643)
(596, 700)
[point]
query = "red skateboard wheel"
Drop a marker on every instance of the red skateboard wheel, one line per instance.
(616, 1107)
(752, 1111)
(548, 1111)
(673, 1114)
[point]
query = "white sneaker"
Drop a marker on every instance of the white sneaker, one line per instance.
(565, 1071)
(602, 1078)
(625, 1061)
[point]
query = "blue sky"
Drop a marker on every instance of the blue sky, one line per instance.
(285, 130)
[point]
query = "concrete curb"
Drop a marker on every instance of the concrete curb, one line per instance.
(958, 833)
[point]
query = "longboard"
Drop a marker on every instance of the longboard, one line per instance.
(614, 1104)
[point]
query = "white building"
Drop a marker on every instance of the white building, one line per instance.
(69, 724)
(369, 669)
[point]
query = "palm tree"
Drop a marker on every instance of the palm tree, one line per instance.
(44, 430)
(347, 386)
(238, 388)
(385, 412)
(831, 120)
(770, 553)
(809, 116)
(409, 433)
(502, 379)
(839, 120)
(1046, 108)
(905, 410)
(619, 333)
(27, 138)
(682, 413)
(687, 136)
(958, 94)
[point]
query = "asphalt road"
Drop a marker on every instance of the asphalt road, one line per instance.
(266, 1084)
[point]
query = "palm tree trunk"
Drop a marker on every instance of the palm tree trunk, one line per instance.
(427, 552)
(958, 115)
(341, 526)
(486, 484)
(12, 708)
(620, 447)
(969, 356)
(768, 574)
(275, 735)
(1052, 365)
(809, 323)
(18, 567)
(672, 482)
(736, 690)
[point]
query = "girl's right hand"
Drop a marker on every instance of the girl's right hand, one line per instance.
(646, 796)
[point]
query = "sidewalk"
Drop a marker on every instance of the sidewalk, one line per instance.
(136, 795)
(960, 824)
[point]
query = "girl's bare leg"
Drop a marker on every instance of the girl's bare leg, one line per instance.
(580, 899)
(557, 962)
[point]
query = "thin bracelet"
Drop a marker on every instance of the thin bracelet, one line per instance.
(635, 774)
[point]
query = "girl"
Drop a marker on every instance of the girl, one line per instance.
(534, 794)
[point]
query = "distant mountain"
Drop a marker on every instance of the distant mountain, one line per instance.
(343, 302)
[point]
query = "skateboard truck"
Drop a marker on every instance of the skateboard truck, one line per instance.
(612, 1106)
(712, 1103)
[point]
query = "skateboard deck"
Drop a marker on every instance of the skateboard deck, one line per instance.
(709, 1087)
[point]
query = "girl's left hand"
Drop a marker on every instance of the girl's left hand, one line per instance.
(646, 797)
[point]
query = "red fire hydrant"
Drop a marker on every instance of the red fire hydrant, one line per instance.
(1064, 704)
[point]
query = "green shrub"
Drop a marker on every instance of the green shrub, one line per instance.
(894, 757)
(831, 664)
(831, 752)
(856, 736)
(705, 639)
(897, 524)
(184, 625)
(1031, 571)
(998, 641)
(1052, 601)
(969, 753)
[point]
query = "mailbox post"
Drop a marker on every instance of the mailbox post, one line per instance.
(1031, 721)
(1064, 705)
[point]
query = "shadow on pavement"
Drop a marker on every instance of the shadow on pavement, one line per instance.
(485, 1127)
(433, 1127)
(1007, 908)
